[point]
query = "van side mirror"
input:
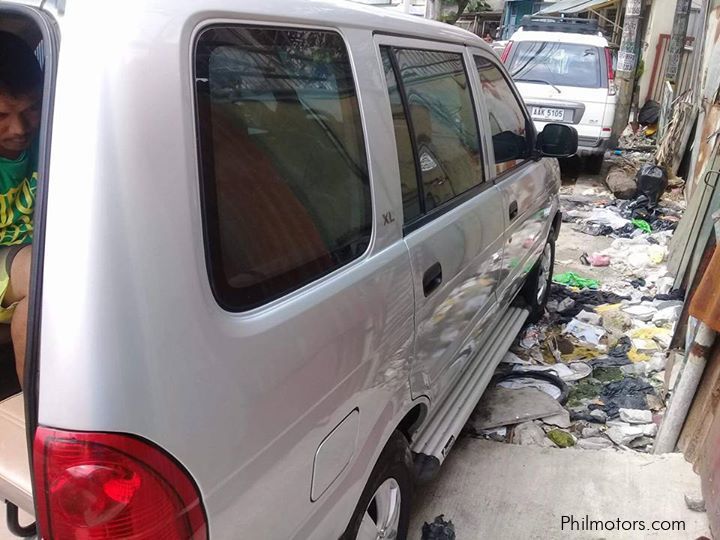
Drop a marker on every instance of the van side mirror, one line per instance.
(557, 140)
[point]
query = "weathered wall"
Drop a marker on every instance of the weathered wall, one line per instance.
(709, 116)
(660, 22)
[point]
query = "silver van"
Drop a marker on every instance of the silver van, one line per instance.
(280, 247)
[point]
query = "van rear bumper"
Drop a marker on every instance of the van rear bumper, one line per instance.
(591, 146)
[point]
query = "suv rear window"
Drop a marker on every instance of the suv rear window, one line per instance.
(561, 64)
(285, 185)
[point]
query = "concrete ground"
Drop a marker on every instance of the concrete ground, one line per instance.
(495, 490)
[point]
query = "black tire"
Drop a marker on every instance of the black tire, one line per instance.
(594, 163)
(395, 462)
(532, 288)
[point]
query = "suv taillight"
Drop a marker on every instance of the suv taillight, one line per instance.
(109, 485)
(506, 52)
(612, 89)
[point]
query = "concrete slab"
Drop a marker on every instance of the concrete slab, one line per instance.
(498, 490)
(502, 406)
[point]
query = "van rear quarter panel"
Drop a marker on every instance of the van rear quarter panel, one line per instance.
(132, 338)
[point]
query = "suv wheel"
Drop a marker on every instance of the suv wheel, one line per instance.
(384, 507)
(537, 286)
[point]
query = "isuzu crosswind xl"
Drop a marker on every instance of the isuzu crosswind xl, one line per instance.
(278, 249)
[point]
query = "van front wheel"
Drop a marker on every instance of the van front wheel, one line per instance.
(384, 507)
(537, 285)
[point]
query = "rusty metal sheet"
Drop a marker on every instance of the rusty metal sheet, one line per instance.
(705, 304)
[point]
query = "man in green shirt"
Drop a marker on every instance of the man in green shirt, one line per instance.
(20, 102)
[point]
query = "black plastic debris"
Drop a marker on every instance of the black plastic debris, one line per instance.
(675, 294)
(652, 181)
(649, 113)
(596, 229)
(438, 529)
(627, 393)
(609, 361)
(586, 300)
(637, 283)
(542, 376)
(621, 348)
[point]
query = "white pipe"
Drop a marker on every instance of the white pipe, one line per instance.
(406, 5)
(684, 390)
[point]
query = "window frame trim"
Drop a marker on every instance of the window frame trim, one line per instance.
(196, 107)
(529, 124)
(393, 42)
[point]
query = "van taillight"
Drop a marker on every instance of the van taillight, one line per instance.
(506, 52)
(93, 486)
(612, 88)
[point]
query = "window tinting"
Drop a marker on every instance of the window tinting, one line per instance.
(508, 125)
(284, 174)
(443, 121)
(408, 176)
(561, 64)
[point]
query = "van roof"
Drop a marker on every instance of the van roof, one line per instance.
(341, 13)
(559, 37)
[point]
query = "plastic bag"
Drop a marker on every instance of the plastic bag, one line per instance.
(652, 182)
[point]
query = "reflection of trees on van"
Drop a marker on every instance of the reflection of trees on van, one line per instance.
(561, 64)
(443, 120)
(508, 124)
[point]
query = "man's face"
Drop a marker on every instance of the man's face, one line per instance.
(19, 121)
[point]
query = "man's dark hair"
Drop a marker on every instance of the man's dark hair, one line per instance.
(20, 73)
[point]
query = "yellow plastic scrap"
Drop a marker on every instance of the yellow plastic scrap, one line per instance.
(604, 308)
(581, 353)
(650, 332)
(635, 356)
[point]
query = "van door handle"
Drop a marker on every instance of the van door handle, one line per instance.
(513, 210)
(432, 278)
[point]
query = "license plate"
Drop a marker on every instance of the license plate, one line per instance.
(547, 113)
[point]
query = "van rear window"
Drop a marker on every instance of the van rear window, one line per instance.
(561, 64)
(284, 174)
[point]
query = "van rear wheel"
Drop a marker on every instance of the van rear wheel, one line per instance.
(384, 507)
(537, 285)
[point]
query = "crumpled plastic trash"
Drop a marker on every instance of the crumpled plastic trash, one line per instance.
(573, 280)
(531, 338)
(438, 529)
(605, 216)
(642, 312)
(589, 333)
(598, 259)
(642, 225)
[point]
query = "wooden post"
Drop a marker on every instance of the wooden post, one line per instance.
(626, 63)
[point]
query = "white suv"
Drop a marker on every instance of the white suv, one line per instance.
(563, 69)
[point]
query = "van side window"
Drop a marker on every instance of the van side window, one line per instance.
(443, 123)
(284, 175)
(403, 143)
(508, 124)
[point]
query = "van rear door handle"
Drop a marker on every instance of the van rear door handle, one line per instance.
(513, 210)
(432, 278)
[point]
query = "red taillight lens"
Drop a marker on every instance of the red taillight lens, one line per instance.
(94, 486)
(612, 89)
(506, 52)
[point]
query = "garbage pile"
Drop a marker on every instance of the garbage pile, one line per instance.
(591, 373)
(622, 218)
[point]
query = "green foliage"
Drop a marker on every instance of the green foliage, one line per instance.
(464, 6)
